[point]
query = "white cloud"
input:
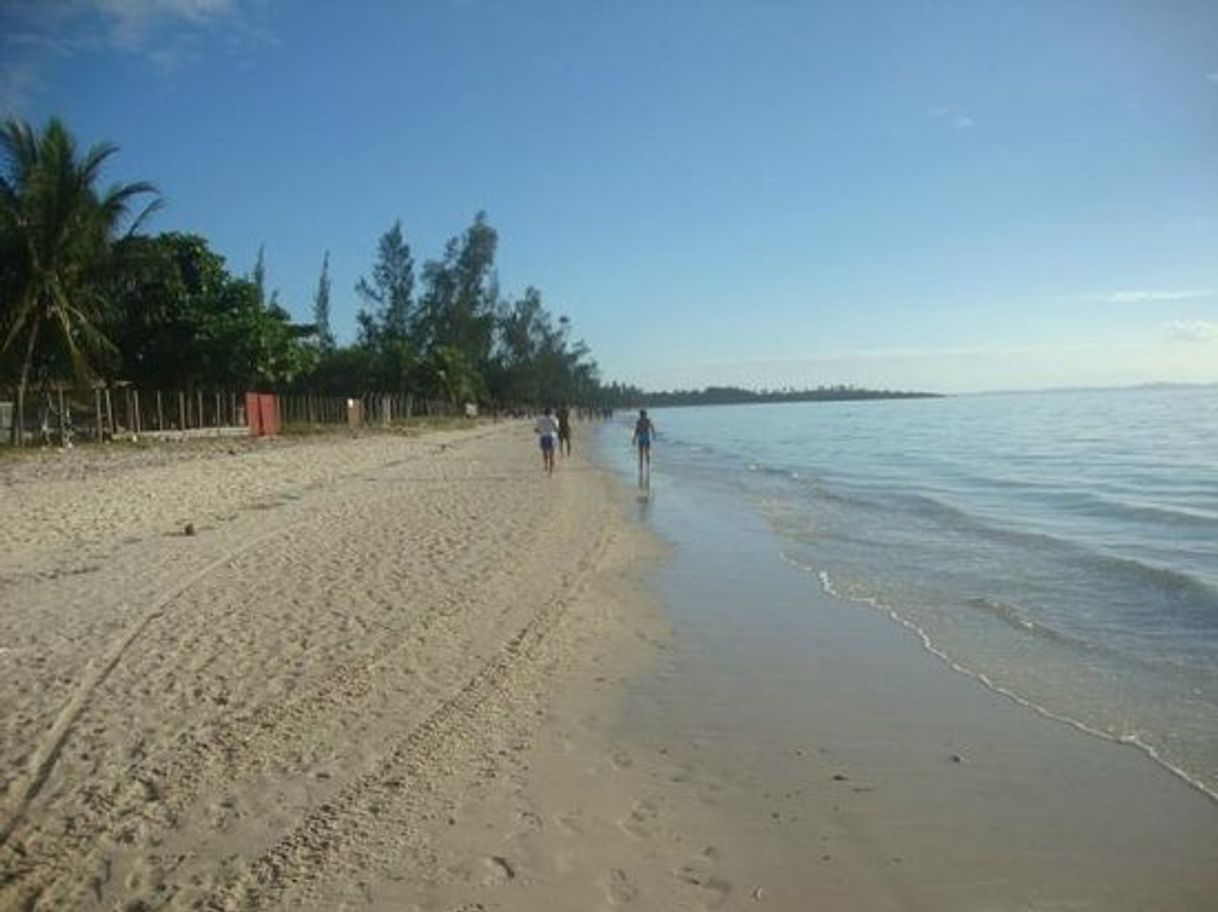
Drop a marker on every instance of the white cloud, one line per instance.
(131, 21)
(20, 81)
(1192, 331)
(1212, 76)
(1132, 296)
(26, 49)
(36, 33)
(1150, 297)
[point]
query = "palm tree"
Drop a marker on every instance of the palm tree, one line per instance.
(56, 236)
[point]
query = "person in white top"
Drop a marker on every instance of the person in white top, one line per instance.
(547, 431)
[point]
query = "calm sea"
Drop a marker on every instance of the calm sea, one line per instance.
(1061, 548)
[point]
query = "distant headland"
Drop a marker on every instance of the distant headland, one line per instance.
(734, 395)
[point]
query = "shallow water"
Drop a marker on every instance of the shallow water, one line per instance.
(1060, 547)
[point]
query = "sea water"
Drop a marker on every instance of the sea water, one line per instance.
(1061, 548)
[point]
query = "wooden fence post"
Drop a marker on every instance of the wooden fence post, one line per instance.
(62, 433)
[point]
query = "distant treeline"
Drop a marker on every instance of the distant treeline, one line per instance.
(734, 395)
(87, 297)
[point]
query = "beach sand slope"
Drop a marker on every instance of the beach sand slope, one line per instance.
(338, 688)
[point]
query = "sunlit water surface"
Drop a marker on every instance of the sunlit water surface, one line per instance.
(1060, 547)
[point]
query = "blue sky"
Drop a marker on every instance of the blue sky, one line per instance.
(946, 195)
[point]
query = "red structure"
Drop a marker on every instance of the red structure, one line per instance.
(262, 413)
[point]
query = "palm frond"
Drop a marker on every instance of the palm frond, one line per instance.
(114, 205)
(13, 333)
(153, 207)
(80, 364)
(57, 237)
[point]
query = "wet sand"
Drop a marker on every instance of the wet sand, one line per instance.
(858, 771)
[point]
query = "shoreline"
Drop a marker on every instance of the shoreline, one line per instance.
(875, 775)
(928, 644)
(417, 674)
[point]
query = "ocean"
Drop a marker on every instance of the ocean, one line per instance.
(1060, 548)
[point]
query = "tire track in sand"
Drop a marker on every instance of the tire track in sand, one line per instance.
(404, 778)
(44, 757)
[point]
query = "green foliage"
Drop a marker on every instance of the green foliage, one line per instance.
(56, 234)
(535, 361)
(164, 312)
(185, 321)
(463, 342)
(321, 308)
(346, 371)
(389, 295)
(450, 374)
(461, 295)
(164, 291)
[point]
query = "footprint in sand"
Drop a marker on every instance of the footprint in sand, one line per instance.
(620, 888)
(714, 890)
(621, 759)
(497, 871)
(642, 817)
(530, 820)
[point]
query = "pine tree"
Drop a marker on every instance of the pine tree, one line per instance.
(321, 307)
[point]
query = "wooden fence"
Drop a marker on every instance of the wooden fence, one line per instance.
(63, 414)
(306, 409)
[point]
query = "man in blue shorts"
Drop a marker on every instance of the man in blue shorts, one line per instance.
(547, 432)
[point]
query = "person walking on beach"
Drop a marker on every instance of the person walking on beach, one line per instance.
(644, 430)
(547, 432)
(564, 429)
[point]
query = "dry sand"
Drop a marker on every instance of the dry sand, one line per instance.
(368, 678)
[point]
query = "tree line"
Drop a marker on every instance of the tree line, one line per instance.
(87, 296)
(734, 395)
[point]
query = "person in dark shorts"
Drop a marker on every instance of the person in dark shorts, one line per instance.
(564, 430)
(547, 434)
(644, 431)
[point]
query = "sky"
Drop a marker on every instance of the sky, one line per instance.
(947, 196)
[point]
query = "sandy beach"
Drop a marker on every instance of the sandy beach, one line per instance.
(331, 693)
(414, 673)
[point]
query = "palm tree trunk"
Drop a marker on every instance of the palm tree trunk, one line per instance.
(18, 435)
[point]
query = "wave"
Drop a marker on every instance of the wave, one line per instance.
(778, 472)
(1133, 739)
(1110, 508)
(1184, 589)
(1141, 587)
(959, 519)
(1013, 617)
(1178, 584)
